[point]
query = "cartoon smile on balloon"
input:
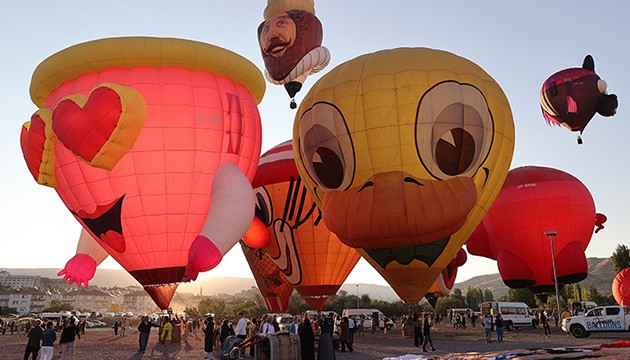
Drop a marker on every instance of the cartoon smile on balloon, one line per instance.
(152, 144)
(404, 150)
(308, 254)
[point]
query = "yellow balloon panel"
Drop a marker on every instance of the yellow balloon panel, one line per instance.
(404, 150)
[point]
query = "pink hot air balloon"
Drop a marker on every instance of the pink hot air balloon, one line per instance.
(151, 143)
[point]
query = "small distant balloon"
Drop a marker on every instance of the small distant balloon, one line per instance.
(571, 97)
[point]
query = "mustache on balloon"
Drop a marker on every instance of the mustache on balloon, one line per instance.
(276, 45)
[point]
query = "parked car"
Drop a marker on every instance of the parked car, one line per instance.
(95, 323)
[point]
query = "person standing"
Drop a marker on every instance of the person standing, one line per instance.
(555, 316)
(325, 349)
(487, 325)
(417, 331)
(307, 340)
(167, 331)
(34, 340)
(344, 335)
(361, 327)
(185, 331)
(144, 329)
(241, 326)
(426, 330)
(267, 328)
(66, 340)
(116, 325)
(353, 329)
(208, 343)
(498, 323)
(544, 319)
(48, 342)
(252, 330)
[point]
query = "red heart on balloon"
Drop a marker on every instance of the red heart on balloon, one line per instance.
(32, 140)
(85, 129)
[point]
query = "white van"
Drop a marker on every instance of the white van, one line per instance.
(514, 314)
(368, 317)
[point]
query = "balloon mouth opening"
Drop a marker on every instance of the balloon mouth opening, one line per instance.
(404, 255)
(105, 223)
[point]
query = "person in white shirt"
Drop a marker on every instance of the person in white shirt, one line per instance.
(241, 326)
(267, 327)
(352, 328)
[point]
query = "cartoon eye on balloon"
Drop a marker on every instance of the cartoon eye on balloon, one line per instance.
(154, 156)
(404, 162)
(307, 253)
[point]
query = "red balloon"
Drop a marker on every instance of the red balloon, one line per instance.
(535, 200)
(621, 287)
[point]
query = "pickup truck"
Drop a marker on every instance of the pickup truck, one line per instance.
(599, 319)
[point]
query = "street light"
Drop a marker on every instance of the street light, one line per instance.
(551, 234)
(357, 296)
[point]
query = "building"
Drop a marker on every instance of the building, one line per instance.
(87, 299)
(19, 281)
(26, 300)
(139, 302)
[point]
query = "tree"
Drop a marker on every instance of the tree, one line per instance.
(620, 258)
(474, 297)
(521, 295)
(488, 295)
(115, 307)
(56, 305)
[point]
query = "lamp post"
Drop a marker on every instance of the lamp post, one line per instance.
(551, 234)
(357, 296)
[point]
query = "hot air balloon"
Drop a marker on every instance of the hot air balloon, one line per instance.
(404, 150)
(274, 287)
(81, 268)
(536, 200)
(151, 143)
(311, 257)
(621, 287)
(571, 97)
(290, 39)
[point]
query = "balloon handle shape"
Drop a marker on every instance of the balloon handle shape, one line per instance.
(202, 256)
(79, 269)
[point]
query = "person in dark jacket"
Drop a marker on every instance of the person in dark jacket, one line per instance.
(34, 340)
(66, 340)
(417, 331)
(145, 330)
(48, 341)
(427, 333)
(208, 344)
(307, 340)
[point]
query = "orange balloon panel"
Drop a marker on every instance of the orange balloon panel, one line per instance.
(310, 256)
(142, 129)
(274, 287)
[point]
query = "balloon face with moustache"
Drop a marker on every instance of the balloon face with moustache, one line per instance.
(286, 38)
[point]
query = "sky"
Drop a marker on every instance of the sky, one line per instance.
(519, 44)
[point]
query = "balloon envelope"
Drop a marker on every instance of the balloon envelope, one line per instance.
(404, 150)
(135, 130)
(621, 287)
(274, 287)
(536, 200)
(309, 255)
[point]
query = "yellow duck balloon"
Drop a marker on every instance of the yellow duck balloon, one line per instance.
(404, 150)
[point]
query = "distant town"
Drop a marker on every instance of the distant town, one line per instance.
(26, 294)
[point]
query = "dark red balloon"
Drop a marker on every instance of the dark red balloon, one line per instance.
(535, 200)
(571, 97)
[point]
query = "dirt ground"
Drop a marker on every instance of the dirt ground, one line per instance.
(450, 343)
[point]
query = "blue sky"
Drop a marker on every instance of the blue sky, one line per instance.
(518, 43)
